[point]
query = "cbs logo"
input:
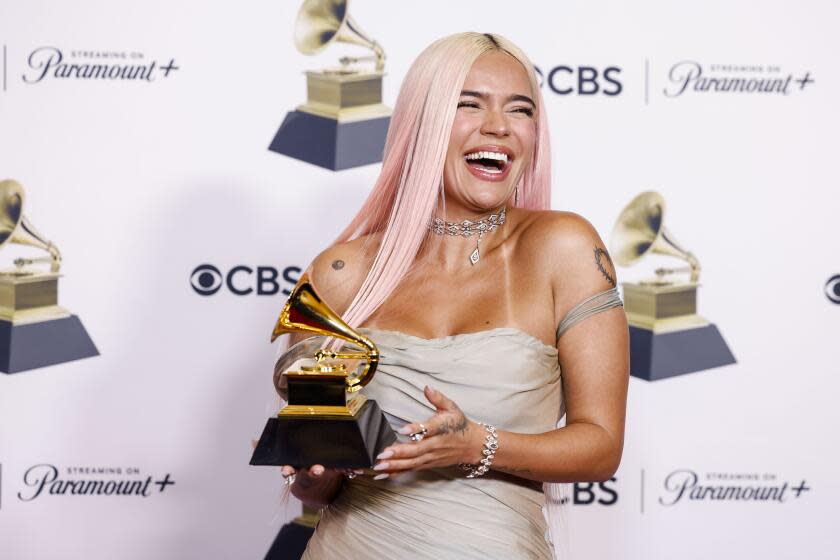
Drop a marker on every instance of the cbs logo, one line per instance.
(587, 493)
(242, 280)
(582, 80)
(832, 289)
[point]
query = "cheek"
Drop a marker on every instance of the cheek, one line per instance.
(460, 132)
(461, 129)
(527, 133)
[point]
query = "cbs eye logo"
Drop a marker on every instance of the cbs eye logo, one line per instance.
(206, 279)
(832, 289)
(242, 280)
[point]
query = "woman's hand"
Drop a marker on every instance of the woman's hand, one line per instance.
(450, 439)
(314, 486)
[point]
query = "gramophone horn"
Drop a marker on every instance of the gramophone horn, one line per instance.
(306, 312)
(16, 228)
(320, 22)
(640, 229)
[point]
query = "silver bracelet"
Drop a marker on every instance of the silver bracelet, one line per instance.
(491, 444)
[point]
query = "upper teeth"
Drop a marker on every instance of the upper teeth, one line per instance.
(488, 155)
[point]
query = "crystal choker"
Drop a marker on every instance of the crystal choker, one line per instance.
(468, 228)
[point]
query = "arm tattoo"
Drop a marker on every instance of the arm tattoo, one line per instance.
(600, 255)
(518, 471)
(338, 264)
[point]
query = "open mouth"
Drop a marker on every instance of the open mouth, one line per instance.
(484, 162)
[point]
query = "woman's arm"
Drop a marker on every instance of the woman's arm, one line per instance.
(595, 377)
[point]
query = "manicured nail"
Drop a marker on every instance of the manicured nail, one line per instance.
(359, 471)
(381, 476)
(405, 430)
(387, 454)
(380, 467)
(431, 389)
(318, 471)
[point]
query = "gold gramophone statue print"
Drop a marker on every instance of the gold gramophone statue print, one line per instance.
(326, 420)
(34, 330)
(667, 336)
(343, 123)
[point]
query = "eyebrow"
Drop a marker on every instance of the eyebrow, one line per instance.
(514, 97)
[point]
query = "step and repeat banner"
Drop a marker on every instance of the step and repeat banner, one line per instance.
(166, 189)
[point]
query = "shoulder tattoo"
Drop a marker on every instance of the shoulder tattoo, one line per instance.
(338, 264)
(602, 258)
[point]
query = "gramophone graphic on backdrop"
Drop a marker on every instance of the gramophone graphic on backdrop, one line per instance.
(667, 336)
(34, 330)
(343, 123)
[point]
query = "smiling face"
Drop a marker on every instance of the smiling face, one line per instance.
(493, 136)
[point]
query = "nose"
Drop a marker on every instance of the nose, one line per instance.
(495, 123)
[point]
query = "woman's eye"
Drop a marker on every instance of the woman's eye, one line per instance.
(524, 110)
(467, 104)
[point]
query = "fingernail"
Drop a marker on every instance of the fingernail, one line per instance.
(381, 476)
(431, 389)
(359, 471)
(405, 430)
(387, 454)
(318, 471)
(380, 467)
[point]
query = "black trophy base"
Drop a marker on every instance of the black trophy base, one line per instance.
(290, 542)
(34, 345)
(331, 144)
(339, 442)
(655, 356)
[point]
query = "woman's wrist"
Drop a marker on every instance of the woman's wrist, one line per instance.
(489, 446)
(475, 445)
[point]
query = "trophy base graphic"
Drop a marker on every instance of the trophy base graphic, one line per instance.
(343, 123)
(34, 330)
(331, 144)
(667, 337)
(655, 356)
(350, 442)
(44, 343)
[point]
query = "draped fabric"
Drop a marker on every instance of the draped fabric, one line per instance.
(504, 377)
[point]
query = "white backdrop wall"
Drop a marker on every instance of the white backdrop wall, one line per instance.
(141, 181)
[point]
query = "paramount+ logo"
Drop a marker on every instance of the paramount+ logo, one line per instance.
(244, 280)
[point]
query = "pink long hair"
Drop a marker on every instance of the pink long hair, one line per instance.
(403, 200)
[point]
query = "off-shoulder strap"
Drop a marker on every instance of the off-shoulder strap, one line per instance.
(588, 307)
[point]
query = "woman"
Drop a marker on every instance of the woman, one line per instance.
(477, 297)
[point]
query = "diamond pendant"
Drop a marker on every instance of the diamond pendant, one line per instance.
(474, 256)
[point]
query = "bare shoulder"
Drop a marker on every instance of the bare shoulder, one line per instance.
(566, 248)
(338, 272)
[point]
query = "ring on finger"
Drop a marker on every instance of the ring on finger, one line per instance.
(289, 479)
(418, 436)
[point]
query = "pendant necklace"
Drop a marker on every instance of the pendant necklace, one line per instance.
(469, 228)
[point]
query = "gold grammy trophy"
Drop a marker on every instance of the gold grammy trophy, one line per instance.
(326, 420)
(667, 336)
(343, 123)
(34, 330)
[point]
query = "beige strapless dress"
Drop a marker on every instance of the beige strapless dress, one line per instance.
(504, 377)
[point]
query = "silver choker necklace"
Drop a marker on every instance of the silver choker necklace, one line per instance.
(468, 228)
